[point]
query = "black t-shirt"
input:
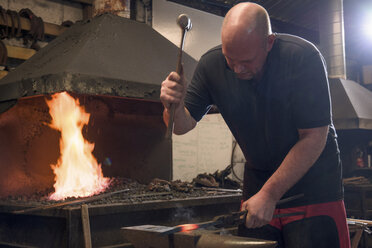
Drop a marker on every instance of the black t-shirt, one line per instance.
(265, 116)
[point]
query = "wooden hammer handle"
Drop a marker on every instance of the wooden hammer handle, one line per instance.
(179, 71)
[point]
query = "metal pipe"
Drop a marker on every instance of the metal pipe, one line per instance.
(332, 37)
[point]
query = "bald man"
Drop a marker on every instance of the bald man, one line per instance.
(272, 91)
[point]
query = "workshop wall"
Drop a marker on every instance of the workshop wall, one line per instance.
(51, 11)
(209, 146)
(56, 11)
(205, 32)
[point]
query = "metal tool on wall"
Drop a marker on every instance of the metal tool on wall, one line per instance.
(185, 24)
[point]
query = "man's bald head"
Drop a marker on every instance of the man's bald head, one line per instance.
(247, 40)
(246, 18)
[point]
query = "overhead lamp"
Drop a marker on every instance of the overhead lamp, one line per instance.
(367, 26)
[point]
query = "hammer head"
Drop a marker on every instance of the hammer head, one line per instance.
(184, 22)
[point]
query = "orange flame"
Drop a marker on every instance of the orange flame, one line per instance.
(188, 227)
(77, 173)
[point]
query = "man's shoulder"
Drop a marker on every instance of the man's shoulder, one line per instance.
(295, 43)
(213, 58)
(215, 52)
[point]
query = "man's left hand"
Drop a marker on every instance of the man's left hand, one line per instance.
(260, 209)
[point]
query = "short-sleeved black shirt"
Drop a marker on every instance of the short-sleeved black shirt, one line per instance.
(265, 116)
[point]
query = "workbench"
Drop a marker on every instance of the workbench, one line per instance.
(358, 204)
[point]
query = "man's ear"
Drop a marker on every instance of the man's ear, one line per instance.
(270, 41)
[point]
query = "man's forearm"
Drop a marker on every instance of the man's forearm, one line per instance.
(297, 162)
(183, 121)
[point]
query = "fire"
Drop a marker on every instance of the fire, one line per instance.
(188, 227)
(77, 173)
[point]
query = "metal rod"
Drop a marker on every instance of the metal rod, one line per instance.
(151, 194)
(287, 214)
(288, 199)
(220, 189)
(61, 204)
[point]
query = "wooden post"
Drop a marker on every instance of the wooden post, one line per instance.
(86, 226)
(19, 52)
(3, 74)
(87, 12)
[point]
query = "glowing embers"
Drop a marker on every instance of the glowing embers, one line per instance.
(77, 173)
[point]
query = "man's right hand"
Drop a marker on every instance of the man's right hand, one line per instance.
(173, 91)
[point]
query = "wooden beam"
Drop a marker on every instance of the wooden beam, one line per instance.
(87, 12)
(49, 28)
(360, 221)
(19, 52)
(90, 2)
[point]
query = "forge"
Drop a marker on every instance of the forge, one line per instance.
(63, 226)
(127, 133)
(129, 143)
(114, 67)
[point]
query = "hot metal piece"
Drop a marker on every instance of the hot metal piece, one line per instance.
(231, 220)
(222, 221)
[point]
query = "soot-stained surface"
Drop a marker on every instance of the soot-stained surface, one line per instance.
(107, 55)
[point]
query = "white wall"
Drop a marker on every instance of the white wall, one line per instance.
(205, 32)
(208, 147)
(205, 149)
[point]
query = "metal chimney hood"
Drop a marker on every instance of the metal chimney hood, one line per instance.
(352, 104)
(108, 55)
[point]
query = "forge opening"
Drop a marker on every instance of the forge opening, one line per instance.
(128, 135)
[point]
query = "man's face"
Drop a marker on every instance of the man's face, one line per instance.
(246, 57)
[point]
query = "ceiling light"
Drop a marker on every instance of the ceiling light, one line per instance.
(367, 26)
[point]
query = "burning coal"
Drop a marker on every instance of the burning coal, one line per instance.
(77, 173)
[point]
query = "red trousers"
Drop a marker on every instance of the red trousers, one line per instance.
(336, 210)
(322, 225)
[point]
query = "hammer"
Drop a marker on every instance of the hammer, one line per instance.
(185, 24)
